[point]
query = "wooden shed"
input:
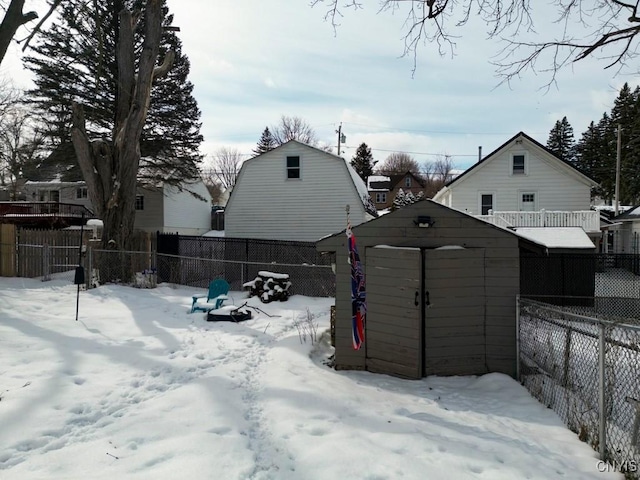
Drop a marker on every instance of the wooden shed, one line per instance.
(441, 291)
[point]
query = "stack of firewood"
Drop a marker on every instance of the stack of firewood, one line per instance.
(269, 286)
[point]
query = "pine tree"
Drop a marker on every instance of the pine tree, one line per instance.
(399, 201)
(624, 115)
(362, 162)
(75, 60)
(266, 142)
(561, 141)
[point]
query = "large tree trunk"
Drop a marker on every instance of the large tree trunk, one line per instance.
(110, 168)
(13, 19)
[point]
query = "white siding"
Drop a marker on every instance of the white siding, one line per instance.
(149, 218)
(186, 214)
(265, 204)
(555, 185)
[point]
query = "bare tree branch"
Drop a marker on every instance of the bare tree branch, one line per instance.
(609, 28)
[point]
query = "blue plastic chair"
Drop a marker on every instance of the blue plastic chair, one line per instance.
(218, 290)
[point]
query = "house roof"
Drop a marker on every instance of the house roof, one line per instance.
(488, 157)
(389, 182)
(631, 214)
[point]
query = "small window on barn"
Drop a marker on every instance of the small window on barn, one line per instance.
(139, 202)
(407, 182)
(518, 164)
(81, 192)
(381, 198)
(486, 203)
(293, 167)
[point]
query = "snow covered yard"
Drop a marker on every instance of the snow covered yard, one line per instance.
(138, 388)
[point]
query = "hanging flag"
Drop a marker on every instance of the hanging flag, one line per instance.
(358, 300)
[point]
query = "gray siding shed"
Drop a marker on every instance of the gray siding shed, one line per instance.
(440, 300)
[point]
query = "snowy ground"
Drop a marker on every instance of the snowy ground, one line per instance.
(138, 388)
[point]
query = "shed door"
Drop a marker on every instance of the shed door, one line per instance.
(393, 338)
(454, 339)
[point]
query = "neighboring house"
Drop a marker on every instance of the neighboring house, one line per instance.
(57, 191)
(295, 192)
(523, 184)
(384, 188)
(163, 208)
(627, 239)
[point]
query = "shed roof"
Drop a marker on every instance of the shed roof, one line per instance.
(557, 237)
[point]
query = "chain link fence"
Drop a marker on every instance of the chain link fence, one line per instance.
(184, 260)
(584, 363)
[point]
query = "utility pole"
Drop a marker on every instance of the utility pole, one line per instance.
(341, 137)
(618, 155)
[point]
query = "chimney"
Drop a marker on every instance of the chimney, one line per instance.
(480, 153)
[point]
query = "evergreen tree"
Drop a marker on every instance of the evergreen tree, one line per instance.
(266, 142)
(362, 161)
(624, 115)
(561, 141)
(399, 201)
(75, 60)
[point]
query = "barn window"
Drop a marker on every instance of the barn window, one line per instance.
(381, 198)
(518, 164)
(407, 182)
(139, 202)
(81, 192)
(486, 203)
(293, 167)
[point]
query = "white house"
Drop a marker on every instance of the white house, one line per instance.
(161, 208)
(523, 184)
(295, 192)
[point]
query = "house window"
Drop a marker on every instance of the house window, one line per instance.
(518, 164)
(486, 203)
(407, 182)
(527, 202)
(381, 198)
(293, 167)
(139, 202)
(81, 192)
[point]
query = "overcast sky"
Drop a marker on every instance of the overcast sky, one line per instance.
(255, 60)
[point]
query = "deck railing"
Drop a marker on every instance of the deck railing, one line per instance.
(589, 220)
(42, 209)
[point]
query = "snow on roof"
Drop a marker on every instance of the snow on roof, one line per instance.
(376, 178)
(361, 187)
(557, 237)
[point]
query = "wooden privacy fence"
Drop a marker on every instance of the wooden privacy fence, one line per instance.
(35, 253)
(8, 250)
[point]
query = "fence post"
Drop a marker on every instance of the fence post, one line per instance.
(601, 385)
(567, 356)
(45, 262)
(518, 338)
(89, 268)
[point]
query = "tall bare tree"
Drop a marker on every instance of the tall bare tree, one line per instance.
(399, 163)
(226, 166)
(293, 128)
(110, 167)
(20, 142)
(436, 174)
(607, 29)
